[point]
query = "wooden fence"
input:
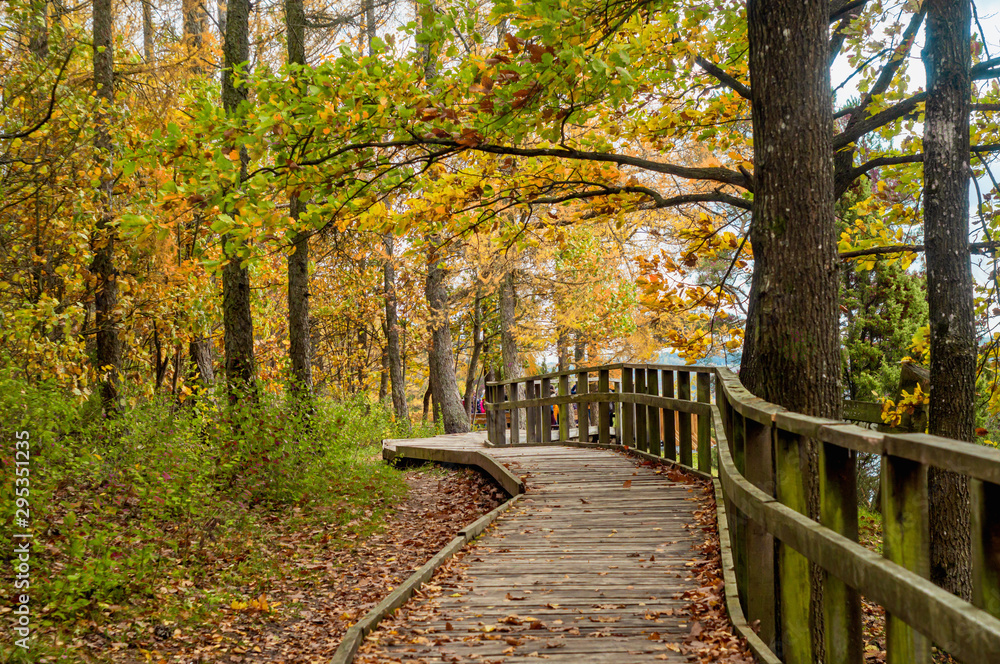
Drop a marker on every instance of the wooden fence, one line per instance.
(760, 453)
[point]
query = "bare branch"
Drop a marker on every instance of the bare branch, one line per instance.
(723, 77)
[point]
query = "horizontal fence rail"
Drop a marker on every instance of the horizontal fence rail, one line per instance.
(703, 418)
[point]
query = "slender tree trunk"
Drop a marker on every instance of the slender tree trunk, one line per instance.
(791, 354)
(299, 339)
(579, 350)
(949, 281)
(396, 376)
(147, 31)
(442, 367)
(508, 321)
(38, 40)
(562, 348)
(383, 382)
(236, 314)
(106, 290)
(477, 347)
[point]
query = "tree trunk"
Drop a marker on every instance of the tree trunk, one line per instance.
(791, 353)
(147, 31)
(508, 321)
(222, 12)
(299, 340)
(38, 39)
(562, 348)
(383, 382)
(200, 367)
(579, 350)
(396, 377)
(106, 290)
(442, 367)
(471, 384)
(949, 281)
(236, 314)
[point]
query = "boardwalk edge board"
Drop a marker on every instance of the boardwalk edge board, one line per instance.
(356, 633)
(733, 608)
(512, 484)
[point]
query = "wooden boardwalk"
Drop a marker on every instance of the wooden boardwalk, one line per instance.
(588, 566)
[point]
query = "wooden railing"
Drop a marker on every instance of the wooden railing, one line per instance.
(759, 452)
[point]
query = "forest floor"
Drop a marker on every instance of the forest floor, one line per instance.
(316, 585)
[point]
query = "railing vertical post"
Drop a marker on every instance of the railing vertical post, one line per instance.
(986, 546)
(760, 596)
(492, 416)
(617, 409)
(546, 411)
(582, 409)
(684, 392)
(792, 464)
(653, 413)
(838, 491)
(564, 409)
(628, 409)
(705, 425)
(530, 413)
(905, 542)
(669, 419)
(738, 521)
(515, 414)
(640, 412)
(604, 408)
(541, 419)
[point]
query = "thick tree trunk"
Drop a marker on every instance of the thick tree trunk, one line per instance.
(442, 368)
(383, 381)
(471, 384)
(103, 268)
(201, 361)
(398, 381)
(791, 355)
(949, 281)
(299, 329)
(236, 314)
(579, 350)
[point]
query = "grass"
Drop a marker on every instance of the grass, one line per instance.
(171, 510)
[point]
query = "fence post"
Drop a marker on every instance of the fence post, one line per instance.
(792, 465)
(582, 409)
(905, 528)
(628, 409)
(530, 413)
(546, 411)
(564, 408)
(640, 412)
(669, 418)
(604, 408)
(838, 491)
(653, 413)
(515, 414)
(761, 598)
(705, 425)
(684, 392)
(986, 546)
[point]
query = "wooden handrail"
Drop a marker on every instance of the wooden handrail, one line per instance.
(760, 453)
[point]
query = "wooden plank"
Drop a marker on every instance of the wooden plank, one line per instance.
(905, 541)
(684, 422)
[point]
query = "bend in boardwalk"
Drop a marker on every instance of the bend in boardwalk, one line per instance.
(594, 564)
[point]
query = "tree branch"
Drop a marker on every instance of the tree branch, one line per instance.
(52, 104)
(974, 248)
(723, 77)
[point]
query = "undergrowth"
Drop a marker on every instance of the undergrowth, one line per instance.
(166, 511)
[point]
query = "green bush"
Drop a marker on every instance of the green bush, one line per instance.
(118, 505)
